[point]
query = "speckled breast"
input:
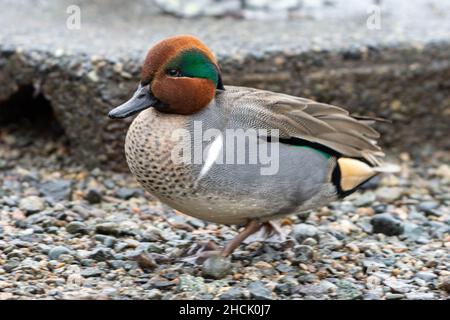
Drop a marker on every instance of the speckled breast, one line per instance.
(148, 149)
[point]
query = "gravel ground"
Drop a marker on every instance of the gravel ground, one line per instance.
(67, 233)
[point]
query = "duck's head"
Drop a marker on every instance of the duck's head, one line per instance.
(180, 75)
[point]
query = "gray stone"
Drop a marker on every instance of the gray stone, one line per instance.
(91, 272)
(428, 206)
(413, 231)
(189, 283)
(232, 294)
(150, 247)
(388, 194)
(127, 193)
(330, 242)
(152, 234)
(76, 227)
(32, 204)
(317, 290)
(283, 268)
(93, 196)
(373, 294)
(303, 231)
(310, 242)
(101, 254)
(107, 241)
(11, 265)
(259, 292)
(216, 267)
(154, 294)
(366, 199)
(372, 265)
(109, 228)
(57, 251)
(426, 276)
(420, 295)
(394, 296)
(398, 285)
(58, 190)
(386, 224)
(303, 253)
(347, 290)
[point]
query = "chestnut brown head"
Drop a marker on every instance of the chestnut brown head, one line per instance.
(180, 75)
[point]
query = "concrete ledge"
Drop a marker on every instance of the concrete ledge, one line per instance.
(401, 72)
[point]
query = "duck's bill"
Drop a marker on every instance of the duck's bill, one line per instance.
(141, 100)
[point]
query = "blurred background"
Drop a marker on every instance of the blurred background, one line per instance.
(72, 219)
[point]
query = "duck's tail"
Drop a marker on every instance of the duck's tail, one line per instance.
(354, 172)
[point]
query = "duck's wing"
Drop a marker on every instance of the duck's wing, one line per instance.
(300, 118)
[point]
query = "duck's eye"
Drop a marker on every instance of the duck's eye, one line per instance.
(174, 72)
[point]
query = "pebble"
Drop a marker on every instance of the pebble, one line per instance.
(93, 196)
(347, 290)
(283, 268)
(154, 294)
(367, 198)
(386, 224)
(445, 285)
(75, 279)
(420, 295)
(145, 261)
(388, 194)
(91, 272)
(304, 231)
(259, 292)
(232, 294)
(428, 206)
(310, 242)
(303, 253)
(107, 241)
(77, 227)
(426, 276)
(11, 265)
(317, 290)
(57, 251)
(32, 204)
(394, 296)
(374, 294)
(216, 267)
(398, 286)
(109, 228)
(101, 254)
(126, 193)
(413, 231)
(57, 190)
(189, 283)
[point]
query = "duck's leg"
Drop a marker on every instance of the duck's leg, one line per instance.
(250, 228)
(270, 231)
(201, 251)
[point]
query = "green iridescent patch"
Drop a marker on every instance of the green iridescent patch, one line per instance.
(323, 153)
(194, 64)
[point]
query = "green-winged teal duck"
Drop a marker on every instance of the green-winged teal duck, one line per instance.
(322, 153)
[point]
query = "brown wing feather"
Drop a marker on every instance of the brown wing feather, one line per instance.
(306, 119)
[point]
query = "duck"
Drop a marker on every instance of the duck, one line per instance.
(323, 153)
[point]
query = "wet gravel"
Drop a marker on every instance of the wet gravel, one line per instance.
(69, 233)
